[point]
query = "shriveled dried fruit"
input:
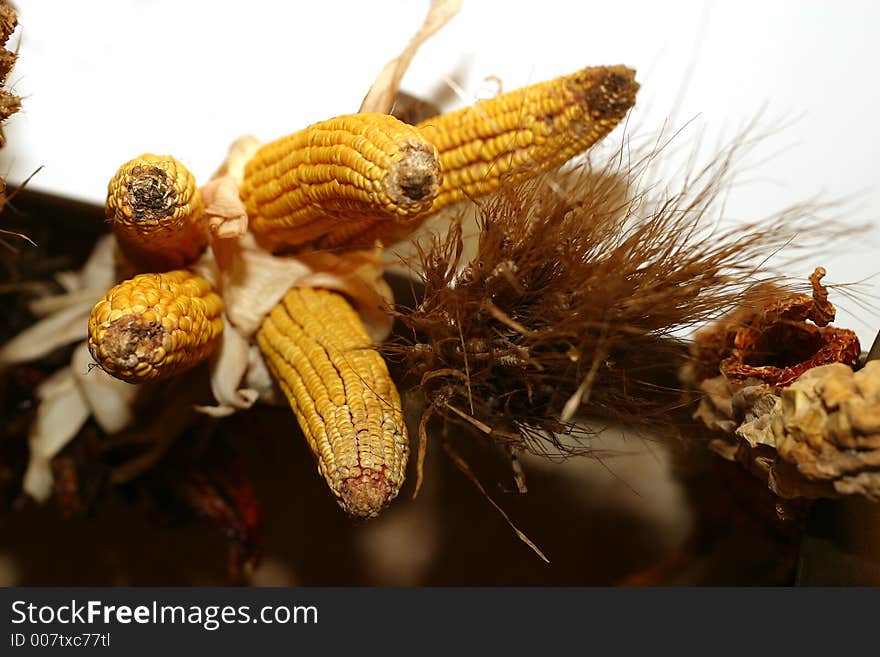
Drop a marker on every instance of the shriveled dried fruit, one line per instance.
(774, 338)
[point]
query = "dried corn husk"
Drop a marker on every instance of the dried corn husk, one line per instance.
(61, 413)
(380, 97)
(66, 316)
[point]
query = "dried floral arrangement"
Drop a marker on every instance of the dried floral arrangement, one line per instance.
(265, 284)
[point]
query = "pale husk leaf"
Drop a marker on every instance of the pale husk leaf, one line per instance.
(62, 411)
(380, 97)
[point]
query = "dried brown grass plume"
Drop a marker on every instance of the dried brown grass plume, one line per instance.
(581, 283)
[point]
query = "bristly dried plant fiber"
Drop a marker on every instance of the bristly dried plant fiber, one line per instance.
(580, 284)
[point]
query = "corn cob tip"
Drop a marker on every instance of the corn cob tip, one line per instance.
(610, 94)
(129, 342)
(155, 209)
(151, 195)
(366, 496)
(415, 177)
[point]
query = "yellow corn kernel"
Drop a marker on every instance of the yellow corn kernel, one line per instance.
(153, 326)
(342, 394)
(155, 210)
(527, 131)
(327, 183)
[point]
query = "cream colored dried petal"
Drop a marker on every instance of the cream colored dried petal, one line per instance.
(756, 404)
(381, 95)
(252, 281)
(228, 367)
(64, 327)
(225, 214)
(61, 412)
(110, 401)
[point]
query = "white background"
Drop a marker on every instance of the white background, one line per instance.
(104, 81)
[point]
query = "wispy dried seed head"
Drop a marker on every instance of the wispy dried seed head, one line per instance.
(577, 281)
(7, 62)
(9, 104)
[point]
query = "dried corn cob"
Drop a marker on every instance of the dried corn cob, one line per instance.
(155, 209)
(519, 135)
(337, 178)
(528, 130)
(153, 326)
(342, 394)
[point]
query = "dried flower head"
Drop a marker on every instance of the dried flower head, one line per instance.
(775, 337)
(828, 426)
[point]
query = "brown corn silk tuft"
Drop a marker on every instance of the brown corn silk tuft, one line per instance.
(571, 305)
